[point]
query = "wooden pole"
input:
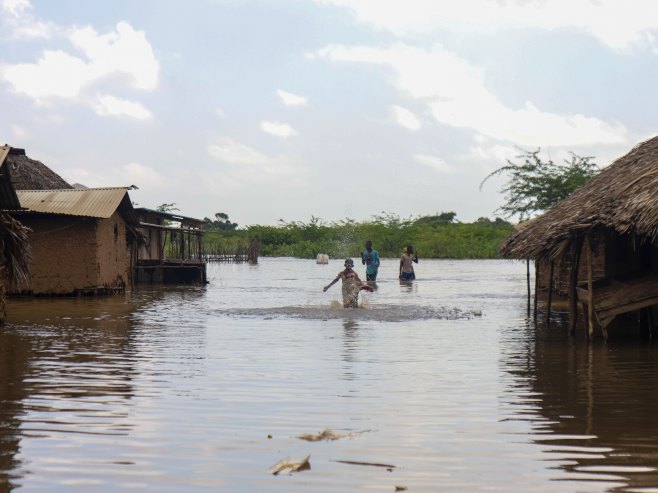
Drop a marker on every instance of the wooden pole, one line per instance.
(527, 271)
(590, 293)
(550, 291)
(573, 284)
(536, 288)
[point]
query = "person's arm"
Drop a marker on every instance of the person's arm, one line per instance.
(415, 258)
(377, 261)
(363, 259)
(331, 283)
(401, 264)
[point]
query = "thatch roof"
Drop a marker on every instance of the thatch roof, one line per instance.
(622, 198)
(29, 174)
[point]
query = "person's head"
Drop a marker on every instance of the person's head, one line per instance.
(404, 250)
(368, 245)
(410, 249)
(349, 263)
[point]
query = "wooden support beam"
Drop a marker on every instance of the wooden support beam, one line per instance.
(573, 282)
(527, 271)
(536, 288)
(590, 291)
(550, 291)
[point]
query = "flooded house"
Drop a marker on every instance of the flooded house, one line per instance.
(172, 250)
(82, 241)
(601, 245)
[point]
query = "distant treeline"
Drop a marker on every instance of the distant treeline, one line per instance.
(438, 236)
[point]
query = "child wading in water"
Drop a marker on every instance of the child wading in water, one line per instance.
(351, 285)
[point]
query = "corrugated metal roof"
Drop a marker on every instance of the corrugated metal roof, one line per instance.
(91, 202)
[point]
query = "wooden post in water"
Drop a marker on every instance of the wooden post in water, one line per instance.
(536, 288)
(590, 291)
(527, 273)
(550, 292)
(573, 284)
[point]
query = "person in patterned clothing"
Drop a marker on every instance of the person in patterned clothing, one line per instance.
(351, 285)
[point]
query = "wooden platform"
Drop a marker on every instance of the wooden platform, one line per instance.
(613, 297)
(171, 272)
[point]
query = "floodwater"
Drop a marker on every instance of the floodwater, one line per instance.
(440, 385)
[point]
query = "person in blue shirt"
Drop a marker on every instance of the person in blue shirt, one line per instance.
(370, 258)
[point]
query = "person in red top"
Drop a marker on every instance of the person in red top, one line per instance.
(352, 284)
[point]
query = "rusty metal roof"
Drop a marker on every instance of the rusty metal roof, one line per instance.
(90, 202)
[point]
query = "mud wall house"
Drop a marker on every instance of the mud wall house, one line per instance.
(602, 244)
(172, 250)
(83, 241)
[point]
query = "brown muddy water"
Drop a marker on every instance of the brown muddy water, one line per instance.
(444, 384)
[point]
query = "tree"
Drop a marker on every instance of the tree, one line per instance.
(535, 185)
(220, 223)
(167, 207)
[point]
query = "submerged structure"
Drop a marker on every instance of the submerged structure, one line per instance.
(172, 250)
(601, 244)
(89, 241)
(83, 241)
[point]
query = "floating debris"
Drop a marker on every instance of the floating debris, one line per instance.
(400, 488)
(328, 435)
(389, 467)
(289, 466)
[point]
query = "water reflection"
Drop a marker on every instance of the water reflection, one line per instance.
(592, 407)
(68, 368)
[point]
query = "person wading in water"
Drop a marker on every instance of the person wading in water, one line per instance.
(351, 285)
(406, 264)
(370, 258)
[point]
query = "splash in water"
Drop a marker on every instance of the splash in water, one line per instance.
(384, 313)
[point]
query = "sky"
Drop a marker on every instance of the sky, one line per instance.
(272, 110)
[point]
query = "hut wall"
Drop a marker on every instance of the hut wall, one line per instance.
(63, 254)
(112, 253)
(561, 274)
(77, 255)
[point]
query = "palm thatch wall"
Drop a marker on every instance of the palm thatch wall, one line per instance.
(622, 199)
(15, 257)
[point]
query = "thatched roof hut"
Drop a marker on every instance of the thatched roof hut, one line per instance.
(623, 198)
(30, 174)
(613, 221)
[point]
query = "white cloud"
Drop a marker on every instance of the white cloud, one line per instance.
(618, 24)
(107, 105)
(15, 8)
(142, 176)
(290, 99)
(121, 57)
(19, 132)
(437, 164)
(247, 165)
(278, 129)
(405, 118)
(456, 94)
(19, 23)
(220, 113)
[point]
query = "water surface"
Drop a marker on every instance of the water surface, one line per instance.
(205, 388)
